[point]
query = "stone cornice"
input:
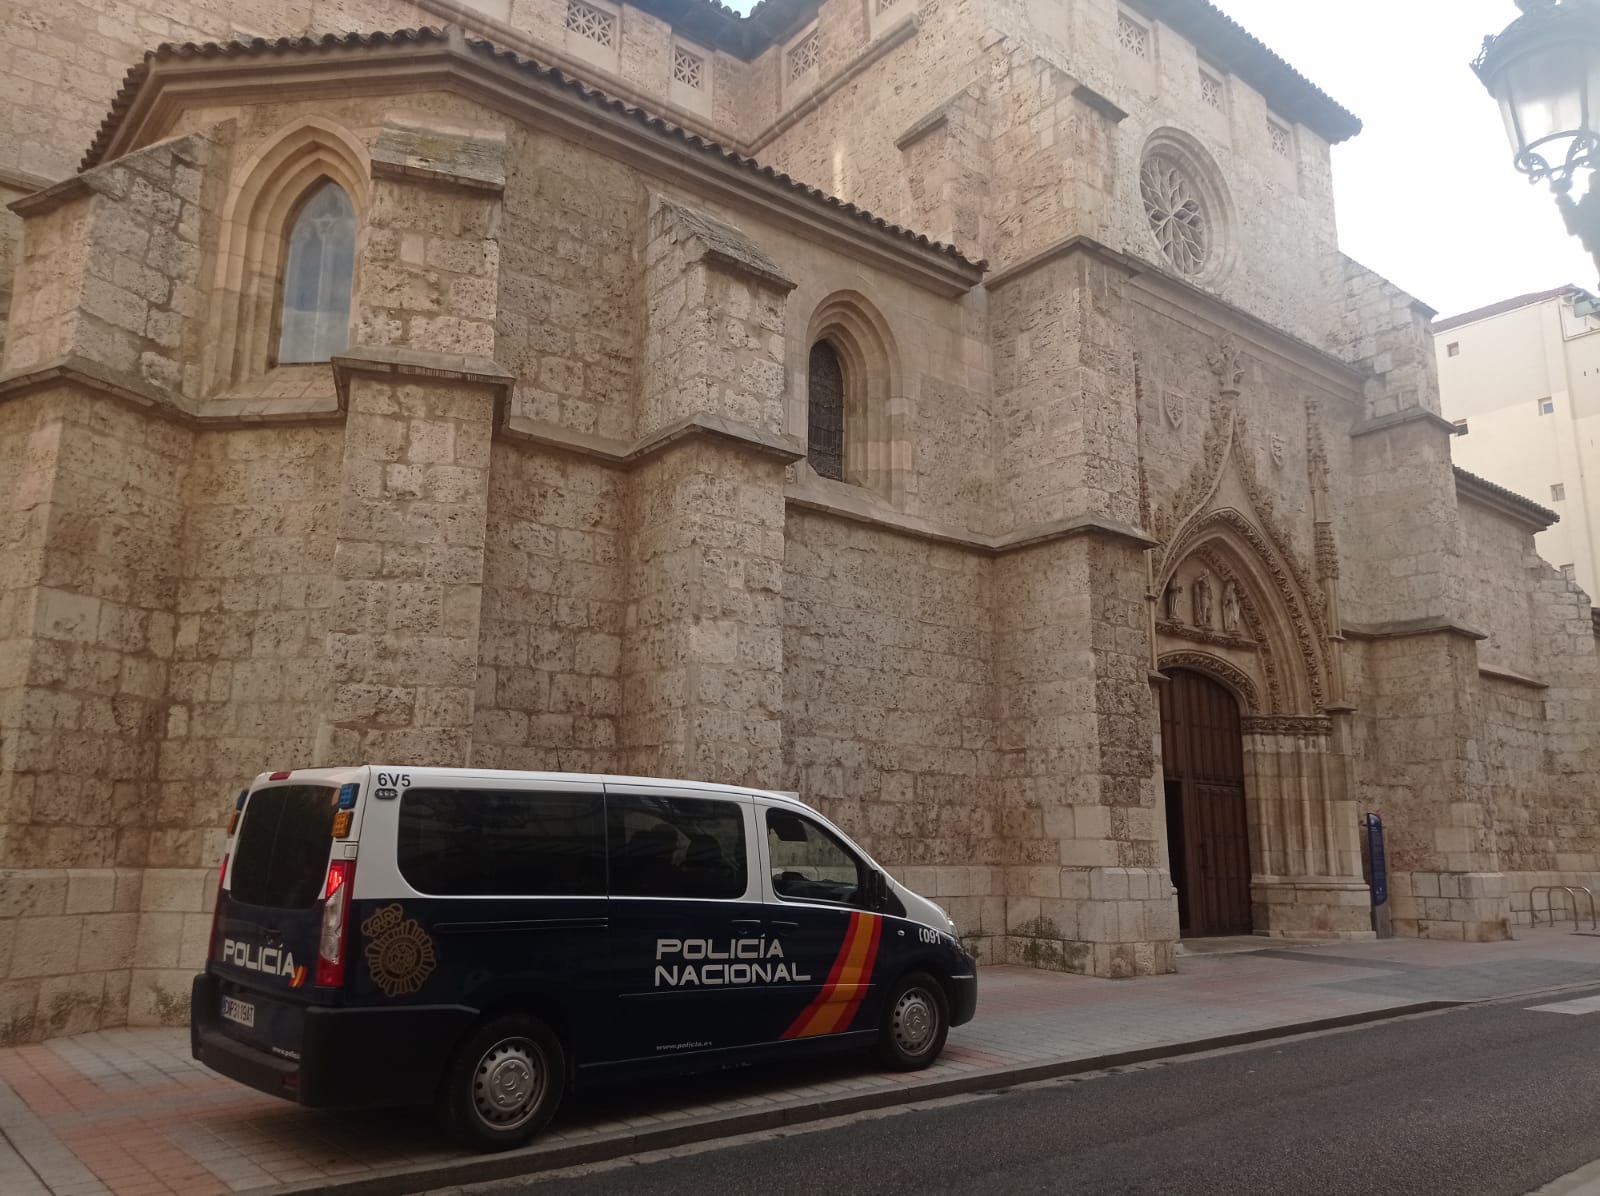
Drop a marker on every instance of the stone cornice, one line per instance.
(1406, 628)
(1399, 419)
(91, 375)
(842, 501)
(54, 196)
(1204, 309)
(625, 454)
(392, 361)
(22, 180)
(1501, 673)
(175, 80)
(85, 374)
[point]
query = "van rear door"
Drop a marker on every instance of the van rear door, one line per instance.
(270, 907)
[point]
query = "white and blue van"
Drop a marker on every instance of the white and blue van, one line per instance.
(482, 941)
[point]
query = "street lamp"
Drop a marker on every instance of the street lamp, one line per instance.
(1544, 69)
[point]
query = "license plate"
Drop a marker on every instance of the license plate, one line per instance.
(242, 1012)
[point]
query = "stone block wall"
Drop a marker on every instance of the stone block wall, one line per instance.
(1388, 331)
(888, 705)
(549, 690)
(548, 511)
(570, 296)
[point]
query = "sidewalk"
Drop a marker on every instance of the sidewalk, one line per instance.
(127, 1112)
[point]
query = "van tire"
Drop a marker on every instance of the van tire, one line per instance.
(916, 1022)
(504, 1084)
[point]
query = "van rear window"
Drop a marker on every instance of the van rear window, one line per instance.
(503, 843)
(281, 857)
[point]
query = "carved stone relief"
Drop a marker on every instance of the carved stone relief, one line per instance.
(1214, 666)
(1227, 363)
(1288, 724)
(1175, 406)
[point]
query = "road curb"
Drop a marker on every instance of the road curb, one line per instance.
(535, 1159)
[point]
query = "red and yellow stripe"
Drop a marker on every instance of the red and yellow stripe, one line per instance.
(848, 981)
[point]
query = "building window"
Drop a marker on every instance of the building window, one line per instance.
(1132, 36)
(804, 56)
(1453, 349)
(1279, 136)
(687, 68)
(587, 21)
(1460, 426)
(1210, 89)
(825, 412)
(1558, 492)
(314, 316)
(1176, 212)
(1547, 406)
(1570, 572)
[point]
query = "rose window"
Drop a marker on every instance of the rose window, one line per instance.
(1177, 213)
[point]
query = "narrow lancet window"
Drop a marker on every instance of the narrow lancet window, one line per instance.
(825, 412)
(314, 322)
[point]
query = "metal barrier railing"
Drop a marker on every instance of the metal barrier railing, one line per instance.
(1571, 891)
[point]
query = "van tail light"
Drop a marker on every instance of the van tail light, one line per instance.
(335, 923)
(216, 911)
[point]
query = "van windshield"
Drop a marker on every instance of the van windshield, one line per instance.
(281, 858)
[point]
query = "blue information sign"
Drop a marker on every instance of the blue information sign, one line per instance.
(1380, 867)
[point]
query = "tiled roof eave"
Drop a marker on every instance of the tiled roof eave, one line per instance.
(1507, 501)
(140, 77)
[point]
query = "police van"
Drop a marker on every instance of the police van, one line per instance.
(483, 941)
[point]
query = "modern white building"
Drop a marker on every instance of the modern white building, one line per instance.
(1520, 380)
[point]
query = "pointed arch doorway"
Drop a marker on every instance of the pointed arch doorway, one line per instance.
(1208, 838)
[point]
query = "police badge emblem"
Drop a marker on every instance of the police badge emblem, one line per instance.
(400, 954)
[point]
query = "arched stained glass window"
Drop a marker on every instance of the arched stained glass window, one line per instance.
(314, 320)
(825, 412)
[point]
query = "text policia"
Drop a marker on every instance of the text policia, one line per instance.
(705, 963)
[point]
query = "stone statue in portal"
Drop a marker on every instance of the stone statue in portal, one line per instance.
(1202, 601)
(1230, 608)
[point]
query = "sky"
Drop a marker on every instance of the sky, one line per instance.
(1426, 195)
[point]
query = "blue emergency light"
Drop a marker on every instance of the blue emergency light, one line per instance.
(347, 795)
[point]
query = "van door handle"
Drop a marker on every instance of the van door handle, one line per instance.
(747, 927)
(785, 927)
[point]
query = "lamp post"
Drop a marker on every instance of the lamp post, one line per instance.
(1544, 70)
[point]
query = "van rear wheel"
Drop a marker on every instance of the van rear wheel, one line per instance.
(505, 1084)
(915, 1023)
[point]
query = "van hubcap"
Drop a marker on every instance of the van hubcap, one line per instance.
(509, 1083)
(915, 1018)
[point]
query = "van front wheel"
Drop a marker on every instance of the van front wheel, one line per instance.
(915, 1023)
(504, 1084)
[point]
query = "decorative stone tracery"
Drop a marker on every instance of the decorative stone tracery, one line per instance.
(1177, 212)
(1214, 666)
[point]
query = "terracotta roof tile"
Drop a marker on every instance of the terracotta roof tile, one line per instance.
(1506, 305)
(1530, 508)
(139, 74)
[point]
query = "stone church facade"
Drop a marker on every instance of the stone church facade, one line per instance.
(958, 412)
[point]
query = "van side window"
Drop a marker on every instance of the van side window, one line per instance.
(809, 864)
(502, 842)
(677, 847)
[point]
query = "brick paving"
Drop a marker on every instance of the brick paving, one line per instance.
(127, 1112)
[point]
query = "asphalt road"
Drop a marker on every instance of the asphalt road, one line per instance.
(1492, 1099)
